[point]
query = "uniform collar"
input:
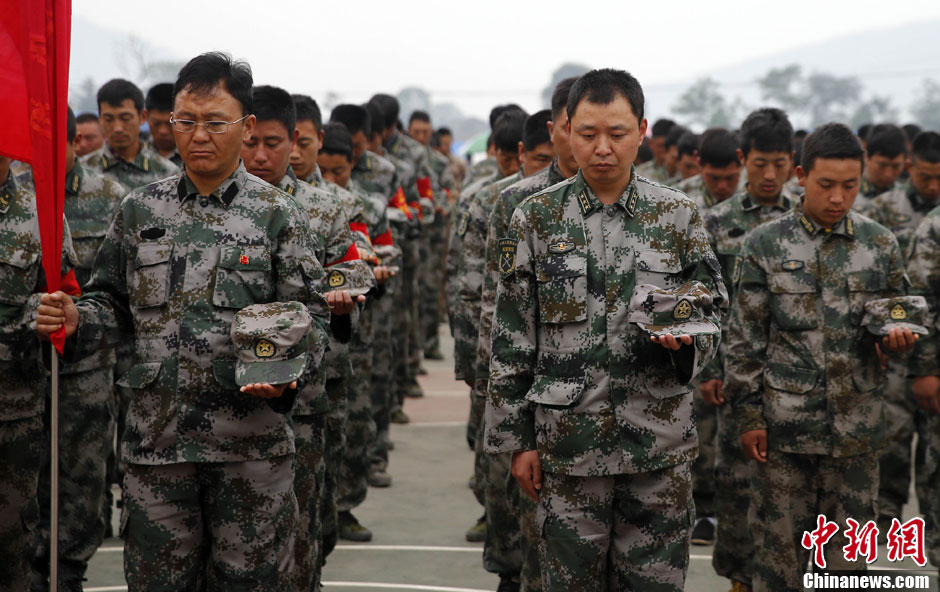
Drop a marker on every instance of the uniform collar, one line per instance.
(588, 202)
(749, 202)
(917, 200)
(365, 163)
(554, 173)
(316, 177)
(73, 179)
(869, 189)
(845, 226)
(288, 183)
(225, 192)
(142, 161)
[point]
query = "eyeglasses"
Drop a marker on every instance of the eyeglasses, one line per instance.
(188, 126)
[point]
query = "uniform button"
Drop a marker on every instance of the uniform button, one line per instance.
(611, 211)
(203, 201)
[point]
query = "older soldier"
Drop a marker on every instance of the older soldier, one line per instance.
(266, 153)
(597, 413)
(23, 442)
(886, 148)
(766, 140)
(564, 166)
(124, 157)
(802, 372)
(720, 169)
(159, 103)
(86, 401)
(90, 136)
(209, 478)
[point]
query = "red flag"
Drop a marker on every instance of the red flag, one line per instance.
(34, 75)
(352, 254)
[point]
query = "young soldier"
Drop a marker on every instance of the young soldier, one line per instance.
(655, 169)
(687, 149)
(124, 157)
(159, 103)
(671, 159)
(209, 463)
(802, 372)
(598, 414)
(886, 149)
(766, 141)
(90, 136)
(720, 169)
(266, 153)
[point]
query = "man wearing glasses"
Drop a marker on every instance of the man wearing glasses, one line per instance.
(208, 485)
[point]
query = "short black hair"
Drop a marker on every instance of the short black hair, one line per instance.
(444, 131)
(308, 110)
(419, 116)
(603, 86)
(275, 104)
(767, 130)
(560, 96)
(863, 131)
(830, 140)
(672, 138)
(160, 97)
(688, 144)
(645, 153)
(508, 132)
(390, 109)
(662, 126)
(887, 140)
(206, 71)
(337, 140)
(117, 90)
(926, 147)
(535, 131)
(718, 147)
(87, 117)
(71, 127)
(376, 116)
(498, 110)
(911, 129)
(355, 117)
(435, 141)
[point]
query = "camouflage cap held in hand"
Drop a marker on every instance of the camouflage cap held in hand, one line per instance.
(680, 311)
(271, 342)
(902, 312)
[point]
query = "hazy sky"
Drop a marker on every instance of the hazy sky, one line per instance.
(478, 53)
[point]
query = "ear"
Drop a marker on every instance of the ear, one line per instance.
(643, 126)
(551, 127)
(144, 115)
(293, 138)
(741, 157)
(521, 152)
(801, 176)
(249, 128)
(320, 141)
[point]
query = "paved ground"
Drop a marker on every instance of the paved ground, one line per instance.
(419, 522)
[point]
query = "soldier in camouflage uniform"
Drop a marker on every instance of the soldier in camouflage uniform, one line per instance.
(266, 153)
(24, 440)
(885, 159)
(209, 465)
(802, 373)
(721, 170)
(670, 174)
(159, 103)
(86, 400)
(596, 411)
(766, 137)
(655, 169)
(901, 210)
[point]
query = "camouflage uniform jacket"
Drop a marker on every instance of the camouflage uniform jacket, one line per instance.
(901, 210)
(923, 269)
(652, 171)
(148, 166)
(728, 224)
(171, 273)
(376, 174)
(21, 282)
(481, 170)
(413, 152)
(497, 228)
(569, 375)
(376, 209)
(352, 206)
(91, 199)
(867, 193)
(471, 233)
(695, 188)
(798, 362)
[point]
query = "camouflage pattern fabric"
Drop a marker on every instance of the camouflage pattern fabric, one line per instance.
(867, 192)
(900, 210)
(695, 188)
(148, 166)
(480, 170)
(927, 482)
(309, 475)
(22, 442)
(270, 343)
(530, 543)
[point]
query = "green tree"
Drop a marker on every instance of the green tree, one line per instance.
(703, 104)
(831, 98)
(875, 110)
(566, 70)
(785, 87)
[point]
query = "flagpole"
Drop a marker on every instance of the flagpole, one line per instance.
(54, 476)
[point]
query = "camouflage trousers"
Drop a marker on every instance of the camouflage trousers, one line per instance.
(231, 523)
(502, 550)
(477, 407)
(733, 553)
(406, 345)
(335, 438)
(904, 418)
(530, 543)
(309, 469)
(21, 446)
(789, 491)
(703, 469)
(86, 436)
(432, 280)
(381, 388)
(353, 484)
(928, 485)
(623, 532)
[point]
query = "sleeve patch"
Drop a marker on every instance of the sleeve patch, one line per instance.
(506, 247)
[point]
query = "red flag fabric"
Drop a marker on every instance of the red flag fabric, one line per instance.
(34, 74)
(352, 254)
(424, 188)
(384, 239)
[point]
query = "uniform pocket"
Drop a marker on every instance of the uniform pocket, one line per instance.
(140, 375)
(224, 372)
(793, 300)
(863, 286)
(659, 268)
(18, 274)
(555, 392)
(562, 288)
(243, 277)
(150, 280)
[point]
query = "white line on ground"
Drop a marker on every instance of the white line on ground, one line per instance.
(435, 424)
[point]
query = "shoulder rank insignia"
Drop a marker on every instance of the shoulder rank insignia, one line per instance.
(634, 196)
(584, 202)
(736, 269)
(560, 247)
(807, 224)
(792, 265)
(336, 278)
(898, 313)
(264, 348)
(506, 247)
(682, 311)
(463, 223)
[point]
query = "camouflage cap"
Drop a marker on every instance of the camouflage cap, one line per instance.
(680, 311)
(902, 312)
(271, 342)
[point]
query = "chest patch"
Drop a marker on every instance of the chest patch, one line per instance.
(560, 247)
(792, 265)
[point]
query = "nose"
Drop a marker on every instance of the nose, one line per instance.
(603, 146)
(200, 134)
